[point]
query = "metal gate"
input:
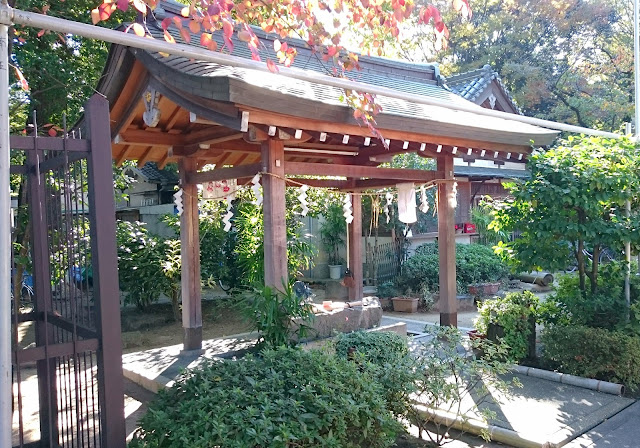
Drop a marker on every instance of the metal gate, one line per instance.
(67, 367)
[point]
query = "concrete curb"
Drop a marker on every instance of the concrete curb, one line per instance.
(572, 380)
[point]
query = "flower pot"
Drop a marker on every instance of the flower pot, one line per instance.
(385, 303)
(405, 305)
(490, 288)
(335, 271)
(474, 290)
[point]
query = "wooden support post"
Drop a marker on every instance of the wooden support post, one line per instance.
(447, 244)
(463, 212)
(190, 253)
(275, 226)
(355, 248)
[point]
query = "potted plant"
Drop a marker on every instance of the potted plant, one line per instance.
(332, 234)
(406, 303)
(385, 292)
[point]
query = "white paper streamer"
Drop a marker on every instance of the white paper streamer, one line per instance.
(257, 189)
(346, 208)
(302, 197)
(389, 198)
(424, 204)
(177, 199)
(227, 218)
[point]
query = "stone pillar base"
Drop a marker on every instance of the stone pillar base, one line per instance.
(192, 338)
(449, 319)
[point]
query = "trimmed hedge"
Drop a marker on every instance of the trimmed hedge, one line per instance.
(475, 263)
(594, 353)
(284, 398)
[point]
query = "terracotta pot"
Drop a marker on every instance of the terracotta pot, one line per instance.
(405, 305)
(473, 334)
(490, 288)
(474, 290)
(385, 303)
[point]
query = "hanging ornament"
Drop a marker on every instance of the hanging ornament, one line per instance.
(424, 204)
(389, 198)
(177, 200)
(302, 197)
(227, 218)
(256, 189)
(346, 208)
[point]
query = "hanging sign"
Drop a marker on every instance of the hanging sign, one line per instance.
(218, 189)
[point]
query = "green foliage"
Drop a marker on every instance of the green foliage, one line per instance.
(280, 317)
(447, 377)
(281, 399)
(594, 353)
(385, 356)
(333, 231)
(516, 315)
(574, 200)
(387, 290)
(148, 266)
(605, 308)
(475, 263)
(481, 216)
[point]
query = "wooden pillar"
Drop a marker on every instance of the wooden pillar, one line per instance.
(355, 248)
(190, 255)
(463, 212)
(275, 226)
(447, 244)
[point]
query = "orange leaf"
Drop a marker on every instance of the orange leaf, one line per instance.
(185, 35)
(205, 39)
(169, 38)
(194, 27)
(40, 33)
(273, 68)
(227, 28)
(52, 132)
(23, 82)
(244, 36)
(95, 15)
(138, 29)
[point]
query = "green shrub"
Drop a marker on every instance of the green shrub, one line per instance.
(280, 317)
(516, 315)
(593, 353)
(284, 398)
(606, 308)
(385, 355)
(475, 263)
(387, 290)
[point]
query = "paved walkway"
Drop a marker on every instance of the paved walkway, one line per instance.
(620, 431)
(541, 414)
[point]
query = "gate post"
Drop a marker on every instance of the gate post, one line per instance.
(104, 259)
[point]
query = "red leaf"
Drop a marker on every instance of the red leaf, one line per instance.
(213, 10)
(177, 21)
(273, 68)
(123, 5)
(244, 36)
(227, 28)
(166, 22)
(40, 33)
(332, 50)
(194, 26)
(104, 11)
(185, 35)
(52, 132)
(205, 39)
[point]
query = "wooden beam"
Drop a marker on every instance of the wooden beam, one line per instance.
(318, 183)
(275, 229)
(355, 171)
(190, 256)
(162, 163)
(145, 157)
(355, 248)
(48, 143)
(447, 244)
(124, 154)
(193, 178)
(274, 119)
(146, 138)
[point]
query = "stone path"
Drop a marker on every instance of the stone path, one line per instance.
(620, 431)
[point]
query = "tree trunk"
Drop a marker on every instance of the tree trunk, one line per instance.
(594, 269)
(581, 270)
(175, 303)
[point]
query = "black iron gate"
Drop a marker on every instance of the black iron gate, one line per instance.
(67, 367)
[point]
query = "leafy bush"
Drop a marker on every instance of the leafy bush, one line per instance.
(450, 379)
(593, 353)
(516, 315)
(606, 308)
(282, 399)
(280, 317)
(387, 290)
(386, 356)
(475, 263)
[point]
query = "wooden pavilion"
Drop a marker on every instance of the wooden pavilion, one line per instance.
(172, 109)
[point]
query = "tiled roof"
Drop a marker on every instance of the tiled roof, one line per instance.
(490, 173)
(469, 85)
(151, 172)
